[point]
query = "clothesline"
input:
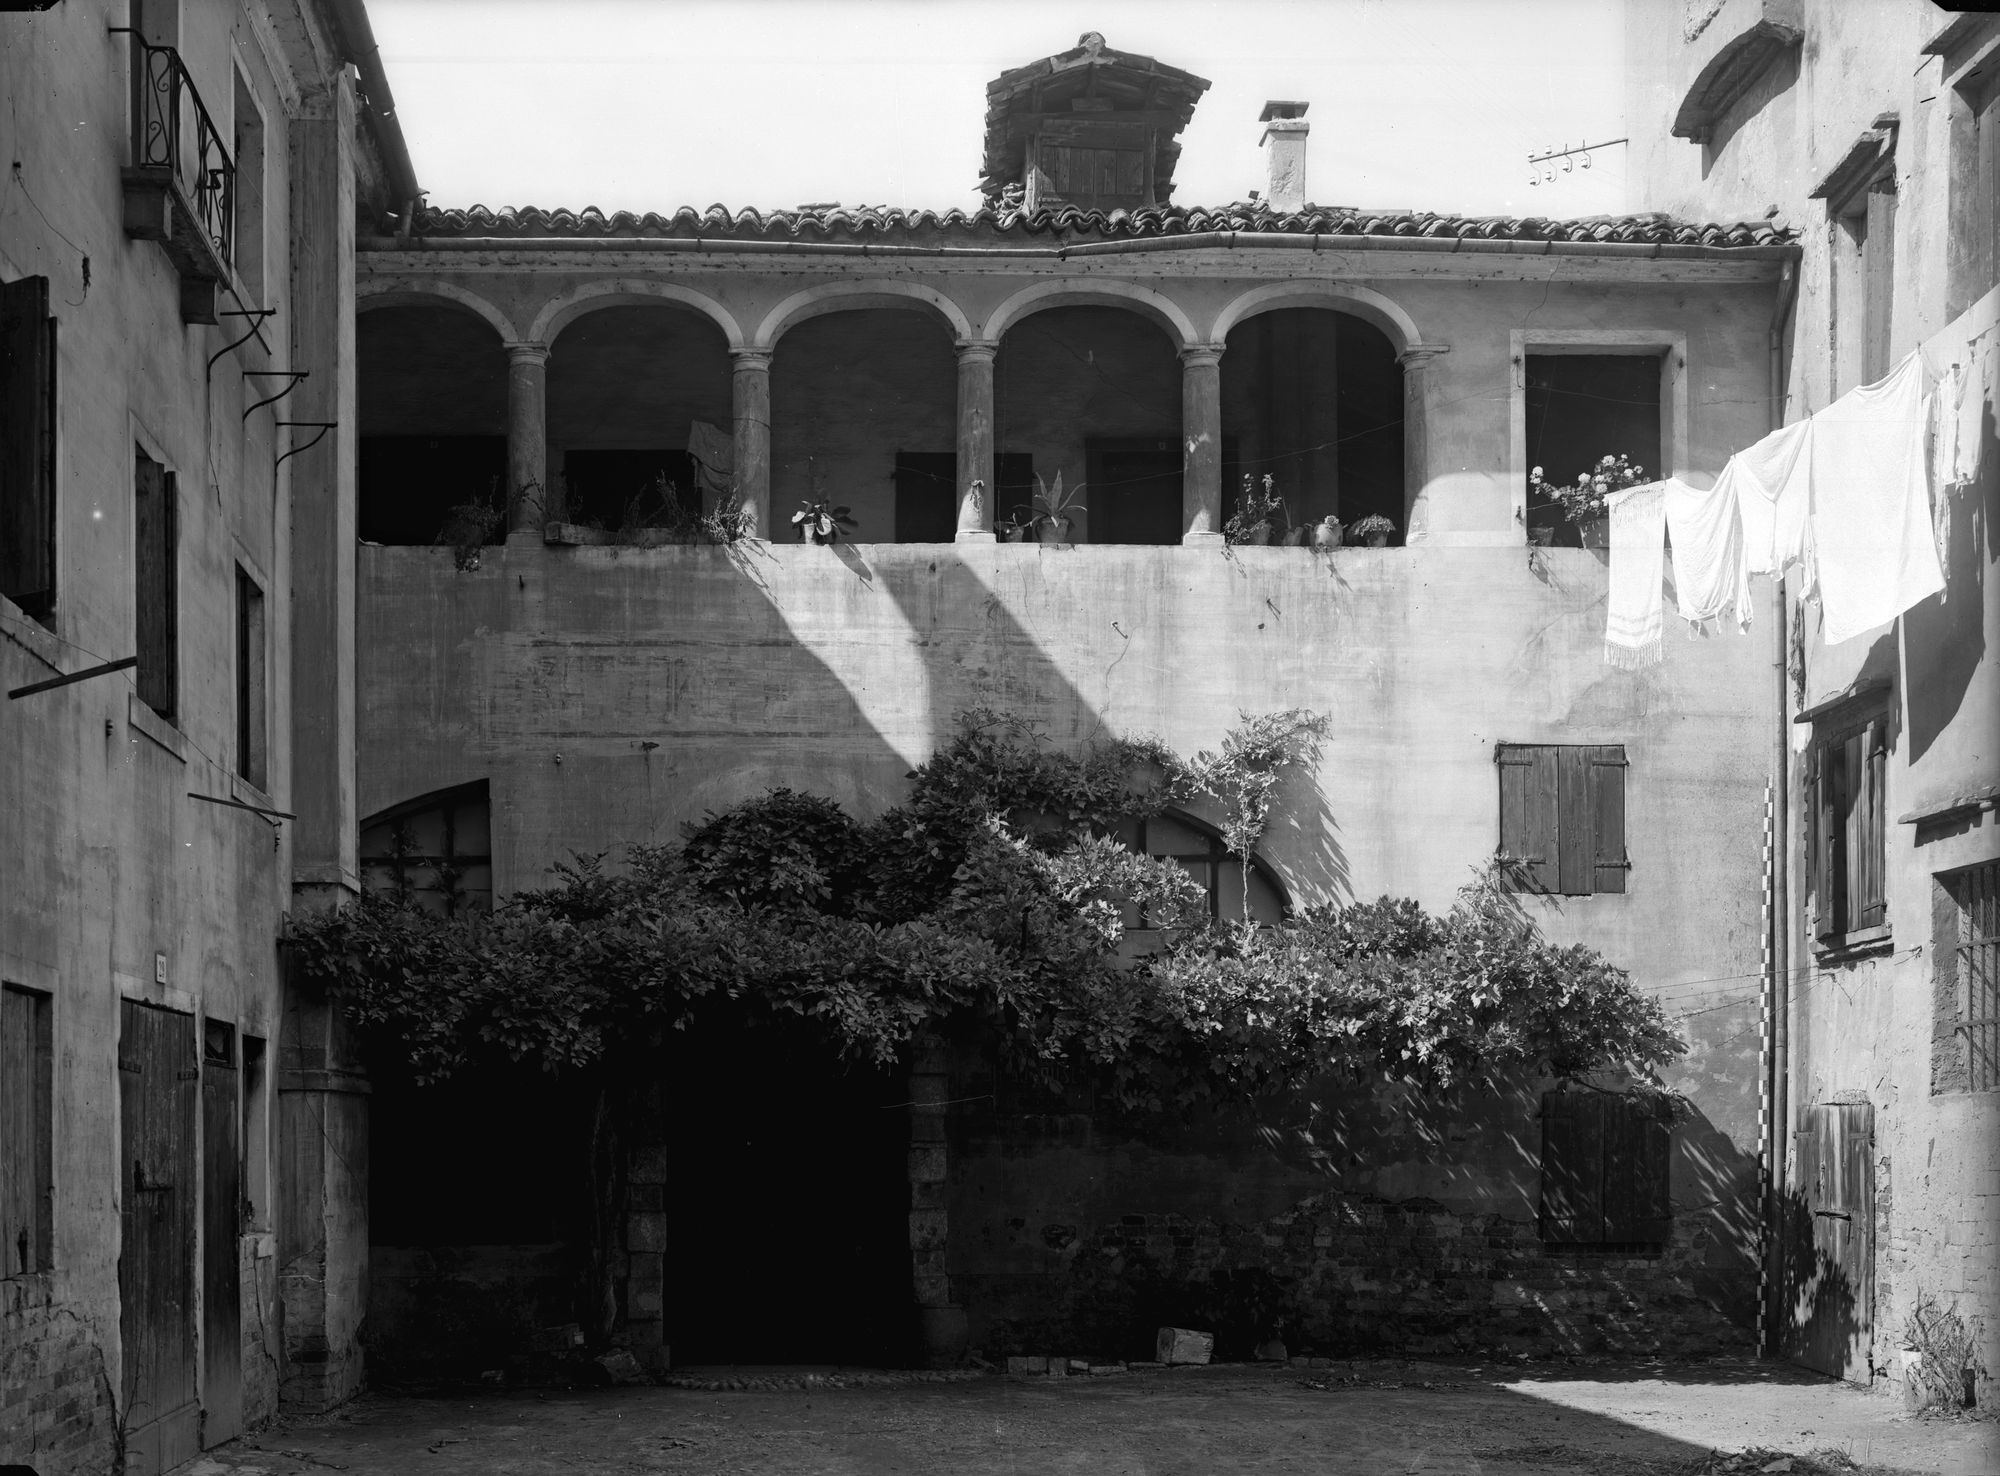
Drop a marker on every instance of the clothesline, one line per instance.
(1843, 497)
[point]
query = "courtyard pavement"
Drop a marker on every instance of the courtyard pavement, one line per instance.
(1434, 1418)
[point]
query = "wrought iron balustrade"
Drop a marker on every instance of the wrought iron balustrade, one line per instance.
(172, 131)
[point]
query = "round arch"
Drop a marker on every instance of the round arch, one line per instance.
(1144, 301)
(835, 297)
(561, 311)
(1362, 302)
(429, 292)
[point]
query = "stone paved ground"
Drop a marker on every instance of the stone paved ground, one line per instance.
(1439, 1419)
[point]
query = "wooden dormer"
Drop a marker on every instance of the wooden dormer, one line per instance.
(1090, 127)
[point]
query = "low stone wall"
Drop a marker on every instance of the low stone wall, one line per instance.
(57, 1416)
(458, 1311)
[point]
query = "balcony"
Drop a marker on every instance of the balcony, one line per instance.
(180, 187)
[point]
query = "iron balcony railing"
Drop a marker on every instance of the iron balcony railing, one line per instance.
(172, 131)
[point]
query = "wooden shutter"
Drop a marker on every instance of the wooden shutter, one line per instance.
(1605, 768)
(26, 1132)
(155, 541)
(27, 445)
(1529, 805)
(1866, 856)
(1638, 1148)
(1572, 1209)
(1821, 783)
(1878, 286)
(156, 1261)
(222, 1225)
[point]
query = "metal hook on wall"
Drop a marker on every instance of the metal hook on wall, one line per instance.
(323, 425)
(293, 375)
(256, 317)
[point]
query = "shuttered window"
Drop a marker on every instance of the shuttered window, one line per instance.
(27, 1102)
(1562, 816)
(28, 447)
(156, 541)
(1846, 776)
(1968, 957)
(1605, 1170)
(251, 740)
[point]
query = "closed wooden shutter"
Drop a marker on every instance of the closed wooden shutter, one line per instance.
(1572, 1209)
(156, 578)
(26, 1131)
(1605, 768)
(222, 1225)
(1870, 908)
(1529, 807)
(27, 445)
(1878, 256)
(1638, 1203)
(1821, 786)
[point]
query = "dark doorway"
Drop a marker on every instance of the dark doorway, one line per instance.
(788, 1228)
(1582, 408)
(1134, 491)
(157, 1079)
(221, 1225)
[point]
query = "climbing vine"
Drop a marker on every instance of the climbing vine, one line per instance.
(993, 904)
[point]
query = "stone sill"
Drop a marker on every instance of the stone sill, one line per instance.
(155, 727)
(1850, 947)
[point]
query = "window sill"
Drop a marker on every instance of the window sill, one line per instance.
(30, 635)
(155, 727)
(1866, 943)
(243, 790)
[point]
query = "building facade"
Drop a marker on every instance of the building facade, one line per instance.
(176, 261)
(1869, 131)
(590, 682)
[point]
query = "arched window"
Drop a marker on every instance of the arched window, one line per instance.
(437, 847)
(1198, 847)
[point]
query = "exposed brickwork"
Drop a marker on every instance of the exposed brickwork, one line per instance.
(56, 1412)
(1342, 1273)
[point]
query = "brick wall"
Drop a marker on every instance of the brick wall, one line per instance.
(56, 1410)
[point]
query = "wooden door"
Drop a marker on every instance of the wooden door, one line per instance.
(221, 1214)
(1830, 1272)
(157, 1083)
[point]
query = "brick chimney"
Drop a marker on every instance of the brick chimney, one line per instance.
(1284, 142)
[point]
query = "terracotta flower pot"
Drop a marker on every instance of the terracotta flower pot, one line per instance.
(1596, 532)
(1261, 534)
(1326, 534)
(1378, 540)
(1052, 530)
(1295, 537)
(1017, 532)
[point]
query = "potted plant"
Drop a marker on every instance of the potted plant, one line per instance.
(1257, 508)
(1582, 501)
(1374, 530)
(728, 521)
(821, 521)
(1326, 532)
(1017, 527)
(1053, 507)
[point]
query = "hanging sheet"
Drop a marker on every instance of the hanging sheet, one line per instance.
(1711, 579)
(1635, 614)
(1773, 486)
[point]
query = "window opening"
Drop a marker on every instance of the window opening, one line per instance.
(1199, 850)
(157, 545)
(28, 447)
(436, 849)
(1562, 817)
(1581, 408)
(256, 1143)
(251, 726)
(27, 1131)
(1968, 953)
(247, 193)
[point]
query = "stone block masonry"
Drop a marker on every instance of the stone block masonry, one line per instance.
(56, 1412)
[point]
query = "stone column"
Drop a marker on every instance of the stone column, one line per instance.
(1416, 363)
(1201, 445)
(975, 440)
(528, 500)
(751, 388)
(941, 1321)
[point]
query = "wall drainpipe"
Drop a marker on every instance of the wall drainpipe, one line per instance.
(1778, 985)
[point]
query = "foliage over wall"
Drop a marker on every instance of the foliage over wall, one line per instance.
(992, 904)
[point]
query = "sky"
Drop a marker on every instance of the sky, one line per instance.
(653, 104)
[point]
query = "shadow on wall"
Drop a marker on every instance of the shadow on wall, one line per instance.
(1945, 635)
(1358, 1220)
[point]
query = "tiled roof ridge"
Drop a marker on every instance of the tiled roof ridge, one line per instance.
(829, 222)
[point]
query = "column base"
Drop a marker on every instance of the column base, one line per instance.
(1201, 540)
(975, 535)
(525, 538)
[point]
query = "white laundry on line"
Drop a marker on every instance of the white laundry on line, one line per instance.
(1634, 614)
(1711, 576)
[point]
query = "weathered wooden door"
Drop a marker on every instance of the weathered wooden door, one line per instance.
(221, 1212)
(1831, 1241)
(157, 1081)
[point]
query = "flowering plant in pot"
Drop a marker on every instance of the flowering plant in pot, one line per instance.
(1374, 530)
(1257, 509)
(821, 521)
(1582, 501)
(1053, 507)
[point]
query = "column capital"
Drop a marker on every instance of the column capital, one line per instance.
(975, 348)
(527, 352)
(1202, 355)
(1419, 356)
(751, 358)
